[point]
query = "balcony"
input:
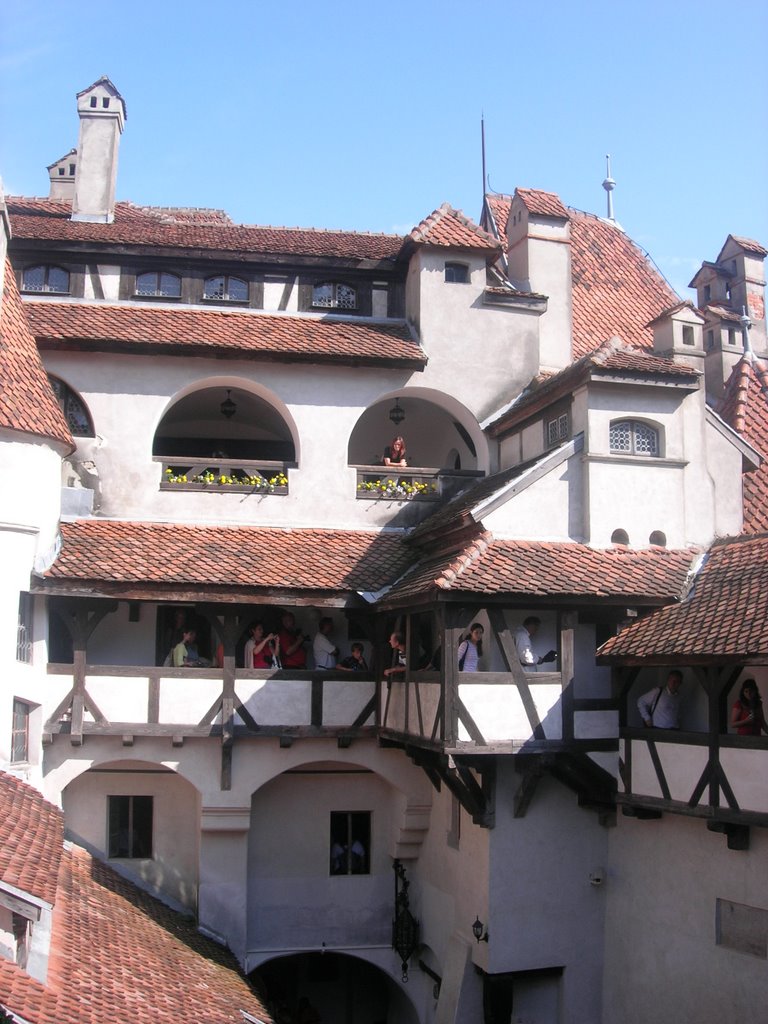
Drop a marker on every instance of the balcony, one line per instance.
(411, 483)
(224, 475)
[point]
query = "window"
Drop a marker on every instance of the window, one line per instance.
(130, 826)
(558, 429)
(620, 537)
(226, 289)
(24, 635)
(687, 334)
(710, 339)
(334, 295)
(20, 731)
(45, 279)
(707, 292)
(456, 273)
(658, 539)
(73, 407)
(631, 437)
(350, 842)
(158, 284)
(731, 336)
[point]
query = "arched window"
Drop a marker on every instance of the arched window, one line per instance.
(45, 279)
(226, 289)
(456, 273)
(73, 407)
(334, 295)
(620, 537)
(631, 437)
(658, 539)
(158, 284)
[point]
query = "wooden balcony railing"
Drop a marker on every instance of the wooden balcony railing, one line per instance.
(193, 473)
(410, 483)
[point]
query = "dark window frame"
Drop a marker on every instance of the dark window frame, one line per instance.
(76, 412)
(130, 827)
(635, 426)
(348, 828)
(456, 273)
(22, 710)
(334, 303)
(25, 631)
(225, 297)
(157, 292)
(48, 269)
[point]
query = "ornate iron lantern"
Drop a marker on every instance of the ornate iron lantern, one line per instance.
(228, 407)
(396, 413)
(405, 927)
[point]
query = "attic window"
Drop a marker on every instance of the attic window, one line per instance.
(707, 292)
(558, 429)
(225, 289)
(456, 273)
(62, 170)
(334, 295)
(105, 102)
(687, 334)
(631, 437)
(731, 336)
(71, 168)
(45, 279)
(94, 101)
(158, 284)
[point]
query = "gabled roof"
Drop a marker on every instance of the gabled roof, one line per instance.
(721, 311)
(27, 402)
(610, 359)
(152, 227)
(744, 407)
(616, 290)
(240, 334)
(540, 570)
(542, 204)
(116, 953)
(452, 229)
(102, 551)
(31, 837)
(748, 244)
(724, 617)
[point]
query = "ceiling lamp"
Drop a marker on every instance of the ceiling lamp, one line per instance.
(228, 407)
(396, 413)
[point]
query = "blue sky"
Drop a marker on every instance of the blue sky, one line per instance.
(362, 116)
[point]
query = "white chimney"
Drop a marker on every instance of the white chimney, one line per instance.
(102, 116)
(62, 176)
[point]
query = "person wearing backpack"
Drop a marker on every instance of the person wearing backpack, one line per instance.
(660, 707)
(471, 648)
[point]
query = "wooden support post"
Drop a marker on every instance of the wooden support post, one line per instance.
(568, 621)
(452, 629)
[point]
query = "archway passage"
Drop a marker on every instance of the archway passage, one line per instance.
(331, 988)
(203, 425)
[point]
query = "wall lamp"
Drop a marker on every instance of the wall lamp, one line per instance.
(479, 930)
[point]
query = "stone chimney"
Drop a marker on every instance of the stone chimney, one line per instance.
(678, 335)
(102, 116)
(62, 175)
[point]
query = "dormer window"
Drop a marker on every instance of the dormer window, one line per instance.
(158, 284)
(456, 273)
(557, 430)
(45, 279)
(334, 295)
(631, 437)
(225, 289)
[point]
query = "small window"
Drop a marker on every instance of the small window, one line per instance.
(350, 843)
(73, 407)
(105, 102)
(658, 539)
(631, 437)
(456, 273)
(620, 537)
(62, 170)
(710, 339)
(130, 826)
(94, 101)
(24, 635)
(687, 334)
(20, 731)
(158, 284)
(731, 336)
(558, 429)
(707, 292)
(45, 279)
(226, 289)
(334, 295)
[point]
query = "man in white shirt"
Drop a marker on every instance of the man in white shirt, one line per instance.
(523, 636)
(324, 649)
(660, 707)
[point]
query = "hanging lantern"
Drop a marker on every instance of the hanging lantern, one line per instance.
(396, 413)
(405, 927)
(228, 407)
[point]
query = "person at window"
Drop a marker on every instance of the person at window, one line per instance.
(354, 662)
(523, 637)
(747, 712)
(397, 668)
(265, 648)
(660, 707)
(395, 455)
(292, 640)
(324, 649)
(185, 653)
(471, 649)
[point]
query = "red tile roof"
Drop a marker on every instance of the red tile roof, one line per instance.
(49, 219)
(723, 618)
(616, 290)
(724, 312)
(544, 204)
(451, 228)
(112, 551)
(27, 402)
(747, 243)
(558, 571)
(139, 328)
(745, 407)
(115, 953)
(31, 837)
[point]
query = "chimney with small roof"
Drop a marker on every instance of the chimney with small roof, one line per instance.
(62, 176)
(102, 117)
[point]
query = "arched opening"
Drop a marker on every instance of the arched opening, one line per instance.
(620, 537)
(74, 408)
(331, 986)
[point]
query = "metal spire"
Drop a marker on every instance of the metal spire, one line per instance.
(482, 145)
(609, 185)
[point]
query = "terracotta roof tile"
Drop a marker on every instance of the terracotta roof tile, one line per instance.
(724, 616)
(31, 837)
(724, 312)
(745, 408)
(451, 228)
(237, 556)
(27, 402)
(750, 245)
(544, 204)
(139, 328)
(50, 219)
